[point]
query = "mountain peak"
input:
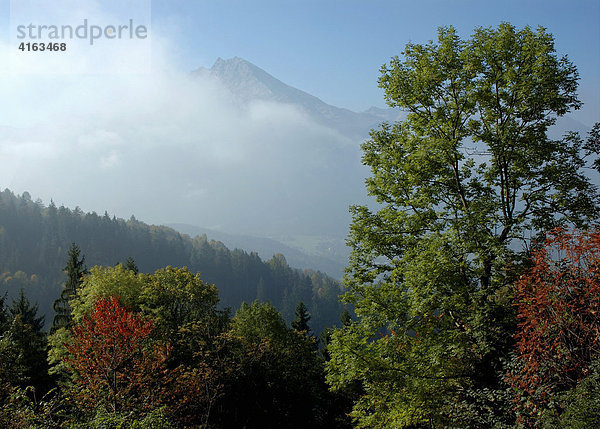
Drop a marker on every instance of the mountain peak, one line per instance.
(220, 62)
(249, 82)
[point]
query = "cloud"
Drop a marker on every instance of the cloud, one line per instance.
(171, 147)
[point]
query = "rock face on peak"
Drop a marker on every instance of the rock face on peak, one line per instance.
(248, 82)
(251, 82)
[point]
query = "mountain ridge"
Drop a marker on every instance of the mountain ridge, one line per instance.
(267, 247)
(35, 238)
(248, 82)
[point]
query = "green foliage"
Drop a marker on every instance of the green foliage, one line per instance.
(592, 145)
(163, 355)
(459, 184)
(4, 317)
(345, 318)
(12, 371)
(75, 269)
(27, 313)
(24, 378)
(156, 419)
(259, 321)
(104, 282)
(15, 409)
(183, 310)
(131, 265)
(278, 382)
(578, 407)
(57, 350)
(175, 296)
(27, 342)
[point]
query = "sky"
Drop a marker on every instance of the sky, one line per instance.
(334, 49)
(122, 127)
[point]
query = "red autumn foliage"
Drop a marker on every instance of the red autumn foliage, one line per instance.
(114, 363)
(558, 302)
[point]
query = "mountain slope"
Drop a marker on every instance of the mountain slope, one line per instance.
(34, 240)
(248, 82)
(267, 247)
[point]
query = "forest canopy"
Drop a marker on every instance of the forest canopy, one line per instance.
(35, 240)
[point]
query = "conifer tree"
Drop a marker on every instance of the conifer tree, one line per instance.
(28, 341)
(345, 317)
(300, 323)
(23, 309)
(131, 265)
(75, 269)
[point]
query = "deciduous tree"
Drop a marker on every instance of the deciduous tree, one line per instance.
(559, 320)
(278, 381)
(115, 366)
(461, 184)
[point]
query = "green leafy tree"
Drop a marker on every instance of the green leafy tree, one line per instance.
(259, 321)
(116, 366)
(460, 183)
(103, 282)
(75, 270)
(184, 308)
(578, 406)
(278, 381)
(99, 283)
(183, 311)
(558, 303)
(175, 297)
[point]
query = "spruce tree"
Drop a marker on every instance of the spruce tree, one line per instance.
(23, 309)
(131, 265)
(345, 318)
(75, 269)
(300, 323)
(4, 320)
(28, 340)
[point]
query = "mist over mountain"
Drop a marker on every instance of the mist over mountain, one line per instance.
(248, 83)
(327, 259)
(231, 149)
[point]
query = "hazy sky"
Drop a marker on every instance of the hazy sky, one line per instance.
(334, 49)
(169, 148)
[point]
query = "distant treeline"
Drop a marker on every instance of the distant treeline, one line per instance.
(35, 239)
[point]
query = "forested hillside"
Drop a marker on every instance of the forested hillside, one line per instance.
(34, 241)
